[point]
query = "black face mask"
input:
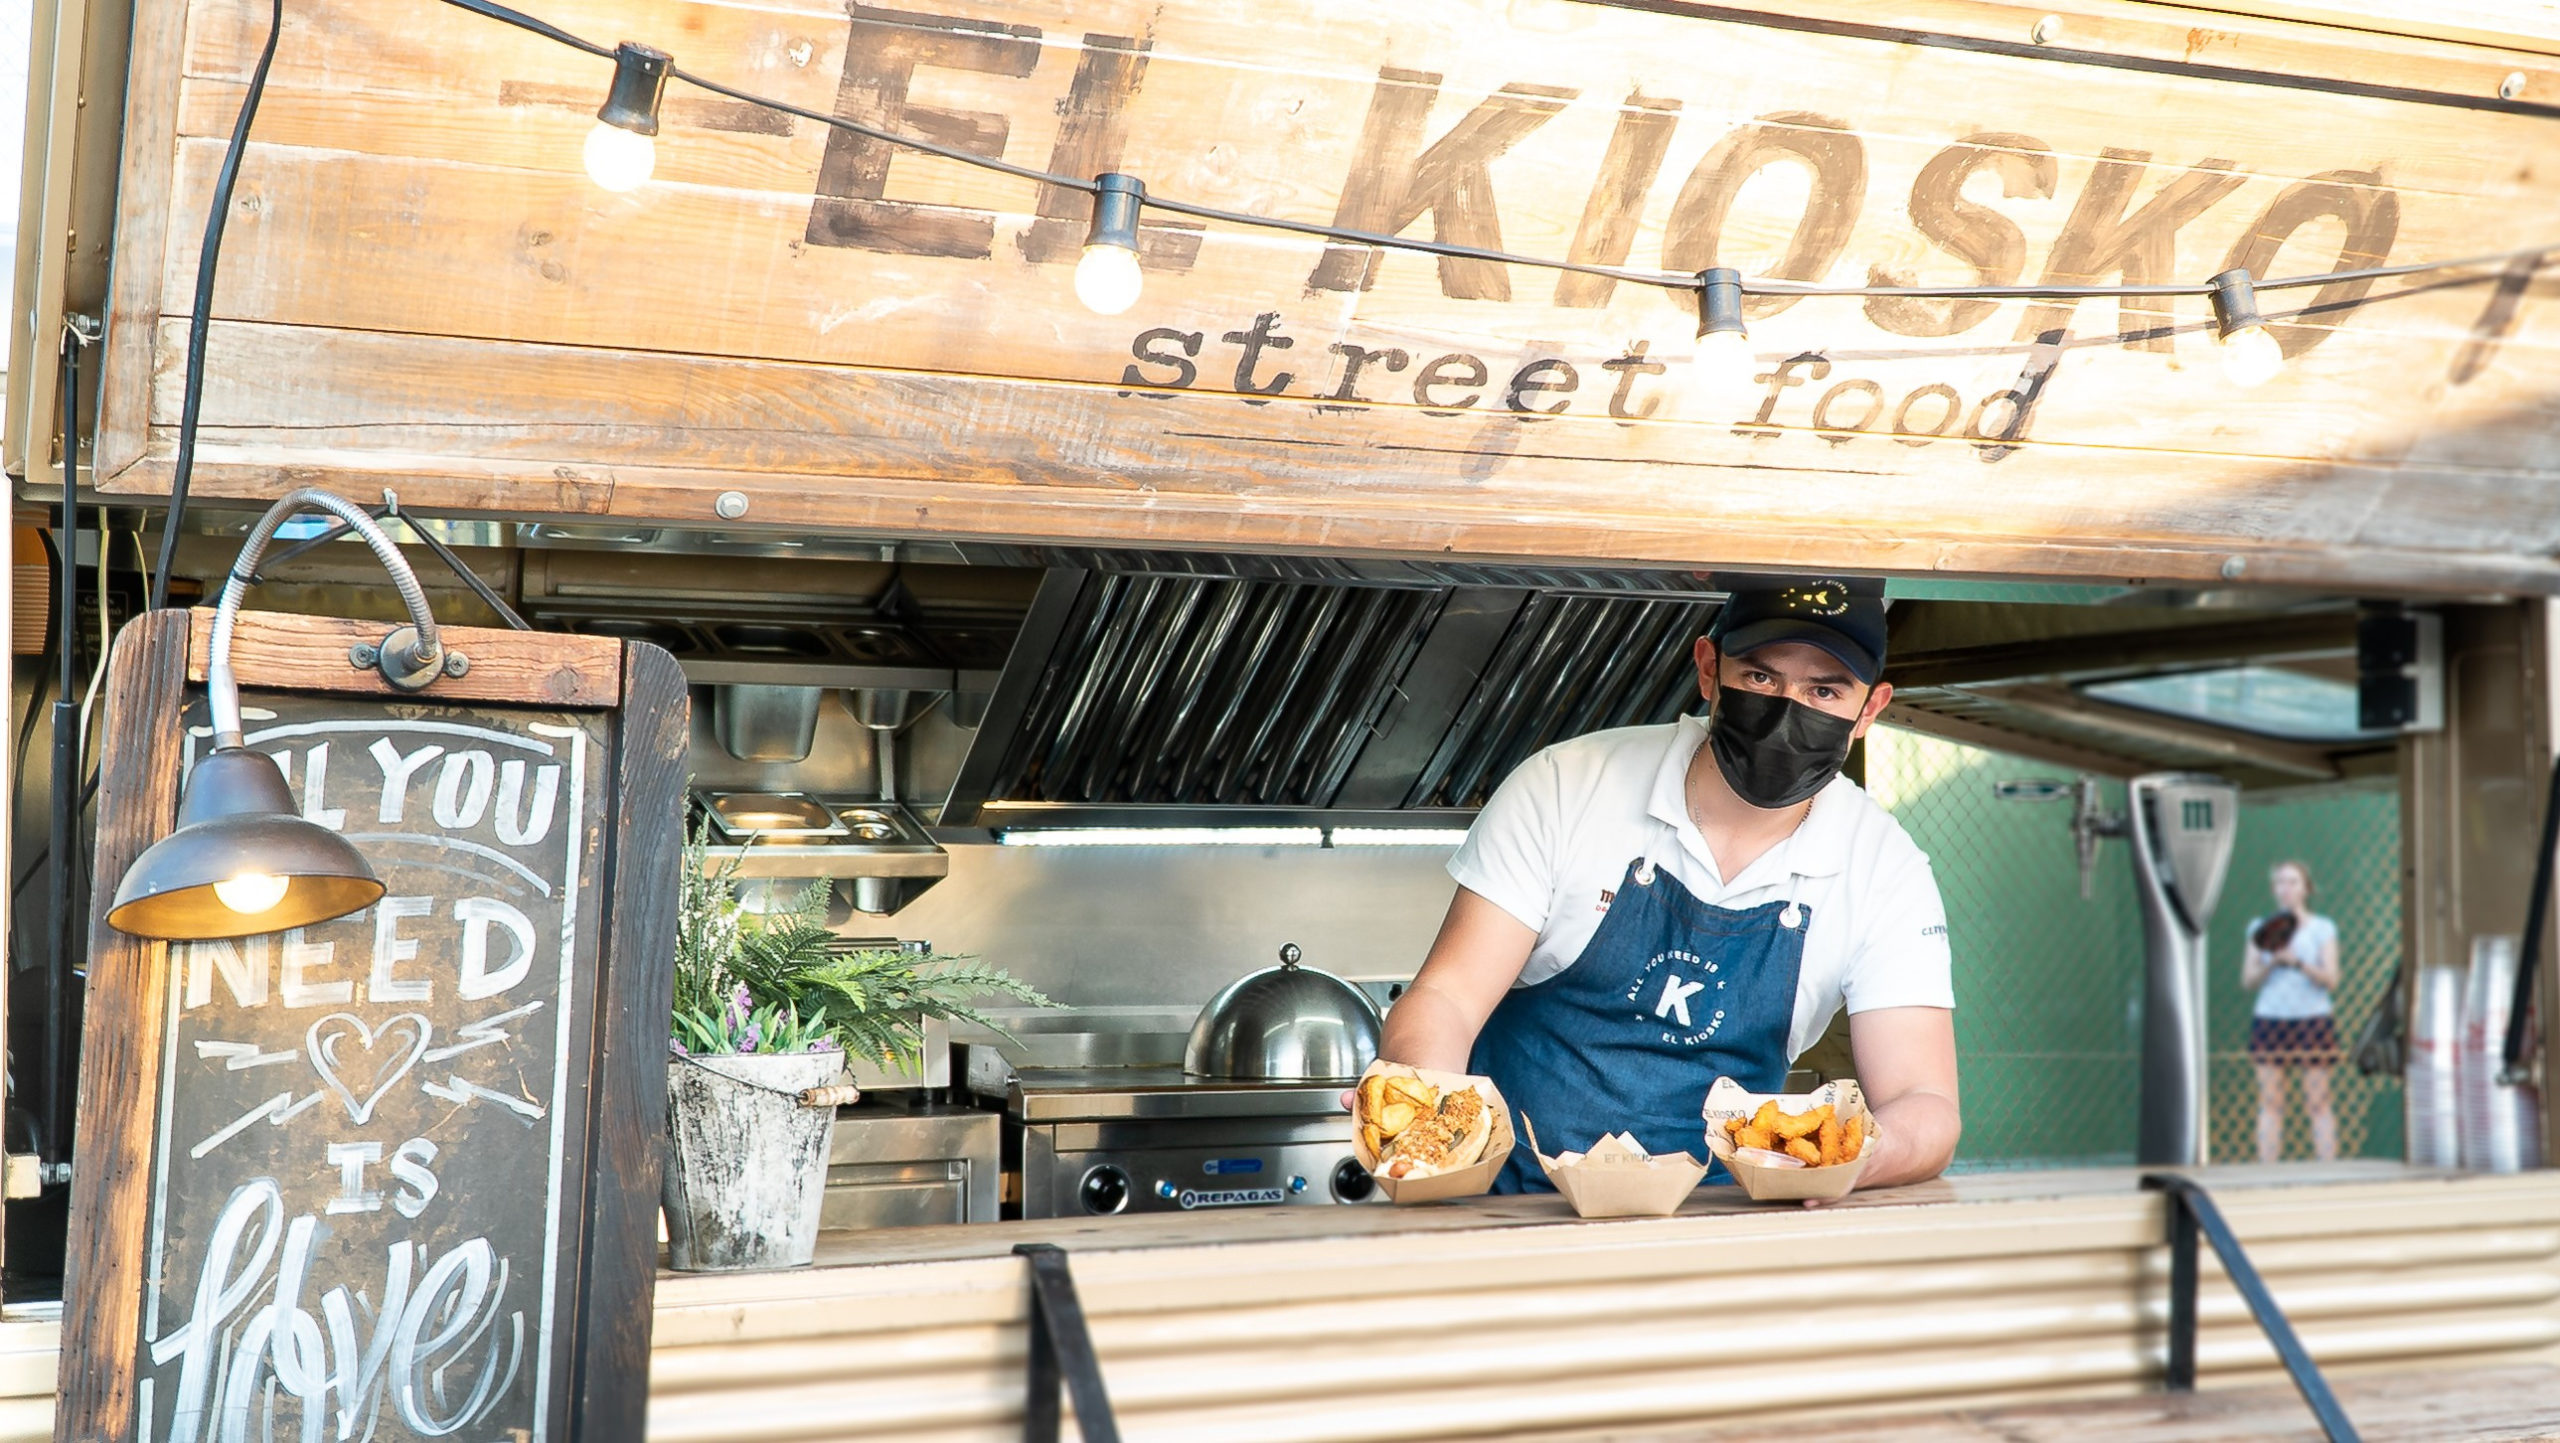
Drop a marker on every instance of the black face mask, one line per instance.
(1775, 752)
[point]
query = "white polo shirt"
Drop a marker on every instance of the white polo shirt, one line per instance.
(1553, 844)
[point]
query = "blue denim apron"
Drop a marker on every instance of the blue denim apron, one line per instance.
(1670, 994)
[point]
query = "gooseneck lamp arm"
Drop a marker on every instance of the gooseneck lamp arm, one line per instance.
(418, 654)
(242, 861)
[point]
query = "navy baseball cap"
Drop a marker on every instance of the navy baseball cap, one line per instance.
(1843, 616)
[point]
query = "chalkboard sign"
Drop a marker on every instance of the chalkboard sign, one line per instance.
(391, 1176)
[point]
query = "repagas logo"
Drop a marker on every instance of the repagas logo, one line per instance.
(1820, 598)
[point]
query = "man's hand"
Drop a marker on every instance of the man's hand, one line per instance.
(1906, 1061)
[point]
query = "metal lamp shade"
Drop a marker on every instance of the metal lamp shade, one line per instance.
(238, 819)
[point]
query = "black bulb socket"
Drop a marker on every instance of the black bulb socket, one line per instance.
(2235, 303)
(1720, 302)
(639, 79)
(1117, 199)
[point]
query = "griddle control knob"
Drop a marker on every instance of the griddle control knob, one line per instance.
(1166, 1190)
(1351, 1181)
(1105, 1189)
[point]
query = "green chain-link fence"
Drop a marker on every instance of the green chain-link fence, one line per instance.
(2049, 986)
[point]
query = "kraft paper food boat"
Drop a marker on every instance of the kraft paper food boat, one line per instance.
(1466, 1181)
(1727, 1100)
(1616, 1180)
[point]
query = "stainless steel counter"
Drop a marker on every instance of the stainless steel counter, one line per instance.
(893, 1166)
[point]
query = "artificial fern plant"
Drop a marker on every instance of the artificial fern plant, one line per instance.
(872, 1001)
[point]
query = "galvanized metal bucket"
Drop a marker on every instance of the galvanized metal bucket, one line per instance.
(746, 1162)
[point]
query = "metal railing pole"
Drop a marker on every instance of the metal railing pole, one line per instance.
(2192, 1210)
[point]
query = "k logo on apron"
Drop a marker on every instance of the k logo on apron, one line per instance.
(1670, 994)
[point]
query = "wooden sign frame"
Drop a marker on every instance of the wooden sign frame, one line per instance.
(607, 1263)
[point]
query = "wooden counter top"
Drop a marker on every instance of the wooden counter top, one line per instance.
(1509, 1317)
(1291, 1224)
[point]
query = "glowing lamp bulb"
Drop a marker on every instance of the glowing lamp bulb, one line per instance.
(1724, 362)
(618, 159)
(1108, 279)
(2251, 357)
(252, 892)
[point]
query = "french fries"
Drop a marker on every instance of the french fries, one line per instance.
(1816, 1137)
(1415, 1129)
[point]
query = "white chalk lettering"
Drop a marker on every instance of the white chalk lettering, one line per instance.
(520, 825)
(390, 949)
(442, 1355)
(315, 787)
(396, 771)
(221, 1288)
(409, 1165)
(476, 914)
(296, 987)
(462, 790)
(351, 1159)
(243, 967)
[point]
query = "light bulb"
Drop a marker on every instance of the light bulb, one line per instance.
(1108, 279)
(2251, 357)
(617, 159)
(1723, 363)
(252, 892)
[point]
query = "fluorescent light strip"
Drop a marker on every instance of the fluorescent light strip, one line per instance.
(1398, 836)
(1231, 837)
(1164, 837)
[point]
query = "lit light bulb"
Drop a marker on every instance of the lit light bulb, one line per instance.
(252, 892)
(1108, 279)
(1724, 365)
(619, 160)
(1722, 361)
(2251, 357)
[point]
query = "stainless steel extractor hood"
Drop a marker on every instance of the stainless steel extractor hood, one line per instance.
(1187, 691)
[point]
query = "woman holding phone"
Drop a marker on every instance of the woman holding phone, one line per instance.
(2292, 964)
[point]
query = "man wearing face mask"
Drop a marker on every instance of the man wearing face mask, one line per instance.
(1642, 911)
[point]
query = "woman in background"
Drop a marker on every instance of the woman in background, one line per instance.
(2292, 964)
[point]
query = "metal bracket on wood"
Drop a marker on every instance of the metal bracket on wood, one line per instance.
(1060, 1345)
(2192, 1211)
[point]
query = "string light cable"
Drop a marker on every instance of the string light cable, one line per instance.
(620, 154)
(1120, 197)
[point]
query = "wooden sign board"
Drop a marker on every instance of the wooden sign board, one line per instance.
(393, 1176)
(420, 281)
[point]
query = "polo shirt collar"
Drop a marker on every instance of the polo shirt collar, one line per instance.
(1820, 847)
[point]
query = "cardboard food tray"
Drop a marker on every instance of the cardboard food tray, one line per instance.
(1611, 1182)
(1727, 1100)
(1467, 1181)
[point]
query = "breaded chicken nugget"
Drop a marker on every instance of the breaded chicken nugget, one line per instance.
(1854, 1140)
(1829, 1140)
(1803, 1150)
(1766, 1119)
(1802, 1124)
(1755, 1137)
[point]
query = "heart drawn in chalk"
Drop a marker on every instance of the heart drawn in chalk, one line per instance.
(388, 1052)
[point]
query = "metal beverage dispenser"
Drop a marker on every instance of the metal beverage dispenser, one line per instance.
(2181, 826)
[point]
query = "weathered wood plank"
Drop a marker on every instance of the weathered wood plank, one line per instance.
(2485, 1405)
(908, 358)
(281, 650)
(675, 430)
(122, 1028)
